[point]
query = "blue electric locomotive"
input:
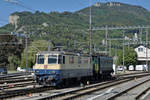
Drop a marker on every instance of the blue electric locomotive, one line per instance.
(55, 68)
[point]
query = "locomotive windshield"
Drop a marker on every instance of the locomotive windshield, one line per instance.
(52, 59)
(40, 59)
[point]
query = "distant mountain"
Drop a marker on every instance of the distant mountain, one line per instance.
(112, 13)
(115, 13)
(70, 26)
(70, 29)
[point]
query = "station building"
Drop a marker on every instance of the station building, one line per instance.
(143, 55)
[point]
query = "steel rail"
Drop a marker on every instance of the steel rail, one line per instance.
(19, 92)
(13, 75)
(80, 92)
(86, 90)
(15, 85)
(125, 91)
(15, 80)
(141, 94)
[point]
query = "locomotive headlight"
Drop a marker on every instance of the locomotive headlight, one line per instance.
(37, 71)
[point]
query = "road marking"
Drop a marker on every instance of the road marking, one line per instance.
(107, 92)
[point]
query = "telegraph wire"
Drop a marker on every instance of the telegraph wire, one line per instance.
(19, 3)
(26, 6)
(3, 20)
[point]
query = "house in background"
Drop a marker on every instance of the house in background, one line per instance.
(143, 54)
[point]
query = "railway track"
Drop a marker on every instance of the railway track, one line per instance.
(17, 77)
(77, 92)
(18, 92)
(143, 94)
(2, 77)
(16, 85)
(131, 92)
(130, 74)
(80, 93)
(8, 94)
(142, 72)
(15, 80)
(82, 90)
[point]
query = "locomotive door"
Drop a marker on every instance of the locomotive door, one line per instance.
(95, 65)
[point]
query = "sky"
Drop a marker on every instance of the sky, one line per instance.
(9, 6)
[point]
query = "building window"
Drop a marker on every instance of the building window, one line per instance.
(140, 49)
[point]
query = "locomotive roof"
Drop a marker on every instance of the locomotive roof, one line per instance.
(47, 52)
(60, 52)
(71, 53)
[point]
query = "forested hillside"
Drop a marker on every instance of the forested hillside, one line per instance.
(70, 29)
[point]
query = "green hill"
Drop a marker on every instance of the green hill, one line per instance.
(118, 14)
(67, 27)
(71, 26)
(70, 29)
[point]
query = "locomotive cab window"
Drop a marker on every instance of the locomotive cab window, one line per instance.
(40, 59)
(52, 59)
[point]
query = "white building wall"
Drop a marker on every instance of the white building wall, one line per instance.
(141, 52)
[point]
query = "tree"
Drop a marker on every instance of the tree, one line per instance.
(14, 62)
(10, 51)
(33, 48)
(130, 57)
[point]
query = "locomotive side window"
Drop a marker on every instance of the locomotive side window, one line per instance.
(63, 59)
(71, 59)
(59, 59)
(84, 60)
(40, 59)
(79, 60)
(52, 59)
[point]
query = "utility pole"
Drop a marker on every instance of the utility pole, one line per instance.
(95, 47)
(26, 52)
(123, 52)
(128, 43)
(110, 47)
(140, 35)
(49, 47)
(106, 33)
(90, 27)
(146, 49)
